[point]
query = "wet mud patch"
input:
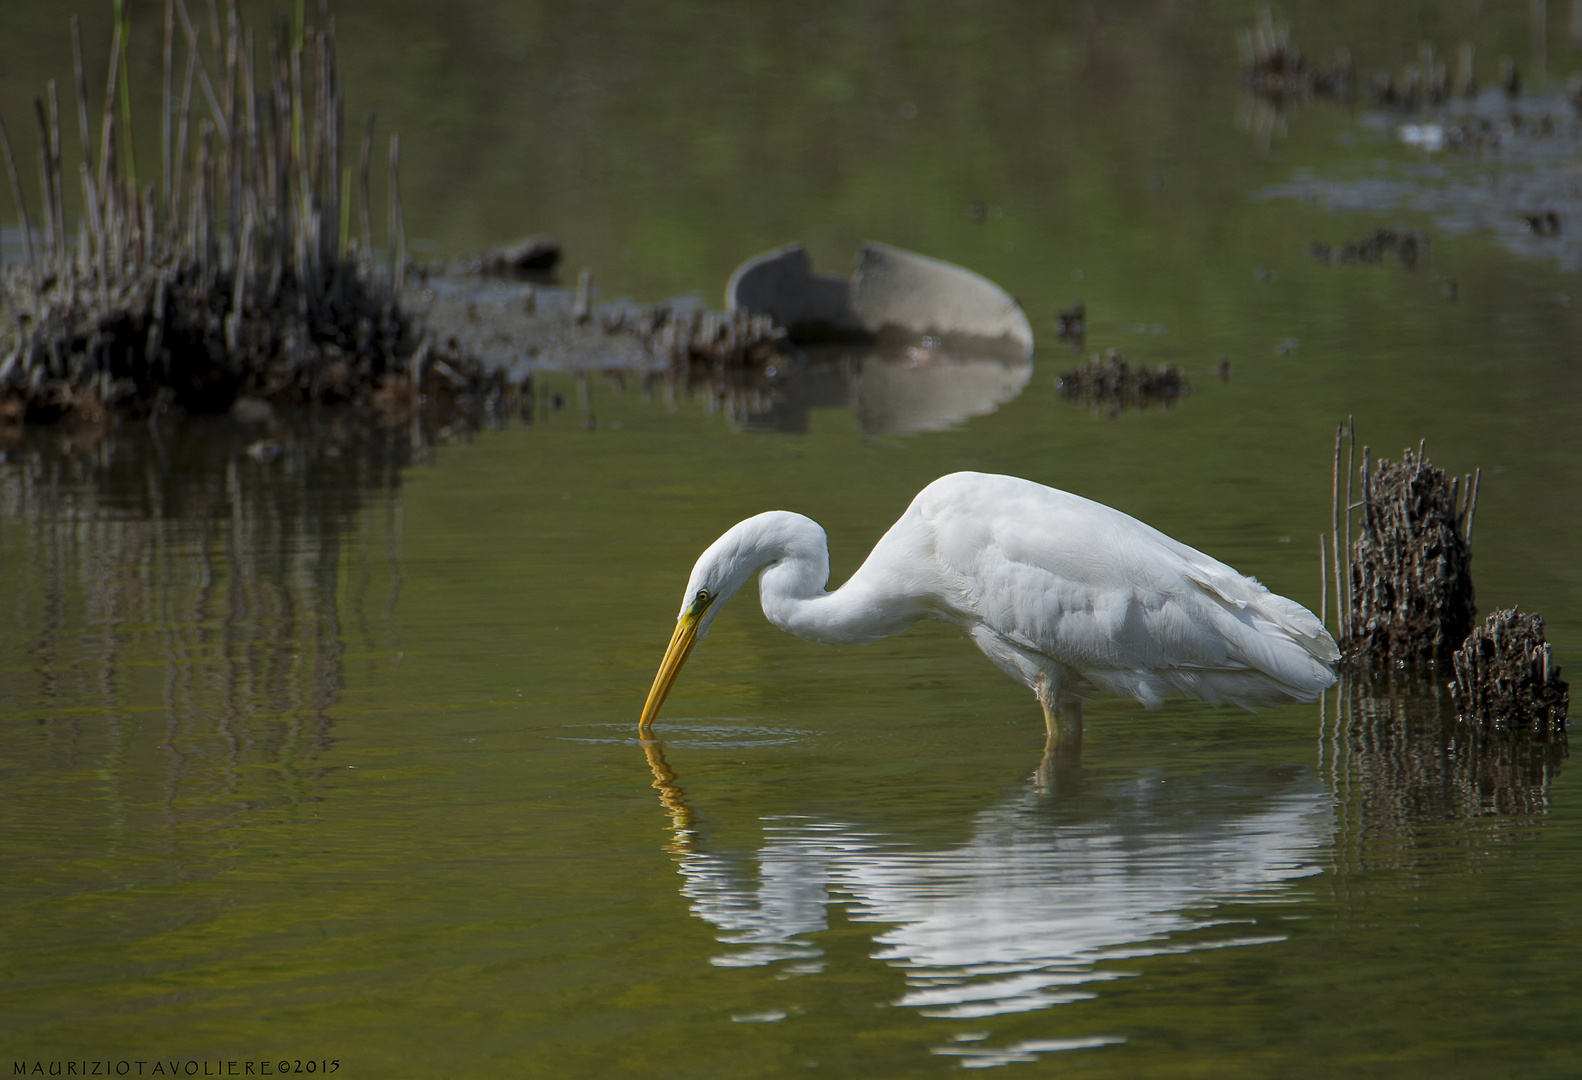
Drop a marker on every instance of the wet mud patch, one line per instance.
(1494, 156)
(1525, 209)
(520, 327)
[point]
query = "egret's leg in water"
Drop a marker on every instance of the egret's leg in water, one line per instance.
(1061, 766)
(1062, 717)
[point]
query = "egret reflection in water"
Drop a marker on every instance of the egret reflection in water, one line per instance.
(1035, 907)
(1063, 881)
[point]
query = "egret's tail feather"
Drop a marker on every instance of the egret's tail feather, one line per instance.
(1279, 639)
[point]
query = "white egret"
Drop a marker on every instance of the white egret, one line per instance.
(1069, 596)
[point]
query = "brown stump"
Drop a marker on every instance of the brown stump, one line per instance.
(1411, 565)
(1506, 676)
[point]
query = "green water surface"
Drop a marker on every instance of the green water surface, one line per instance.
(330, 757)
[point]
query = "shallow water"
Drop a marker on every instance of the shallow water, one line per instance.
(328, 756)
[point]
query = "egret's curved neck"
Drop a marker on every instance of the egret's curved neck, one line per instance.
(791, 590)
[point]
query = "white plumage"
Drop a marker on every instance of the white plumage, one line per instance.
(1071, 597)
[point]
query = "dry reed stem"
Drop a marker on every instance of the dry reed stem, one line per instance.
(46, 170)
(1345, 555)
(21, 206)
(123, 19)
(362, 186)
(1323, 584)
(59, 192)
(203, 74)
(1334, 536)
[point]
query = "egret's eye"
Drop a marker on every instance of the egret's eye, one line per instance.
(703, 596)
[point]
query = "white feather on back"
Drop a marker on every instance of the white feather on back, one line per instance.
(1110, 603)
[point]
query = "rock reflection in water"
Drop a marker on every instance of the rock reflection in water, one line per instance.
(196, 571)
(1024, 913)
(897, 385)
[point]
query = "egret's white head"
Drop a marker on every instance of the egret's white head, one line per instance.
(788, 542)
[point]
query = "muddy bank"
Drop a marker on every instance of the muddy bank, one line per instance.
(912, 343)
(1523, 192)
(518, 327)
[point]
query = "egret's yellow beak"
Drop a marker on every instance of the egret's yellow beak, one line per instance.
(681, 643)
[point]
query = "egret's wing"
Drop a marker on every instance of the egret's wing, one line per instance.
(1108, 597)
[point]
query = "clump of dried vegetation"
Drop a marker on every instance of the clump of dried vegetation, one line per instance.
(1275, 71)
(1405, 245)
(689, 338)
(236, 274)
(1404, 598)
(1112, 382)
(1408, 574)
(1506, 675)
